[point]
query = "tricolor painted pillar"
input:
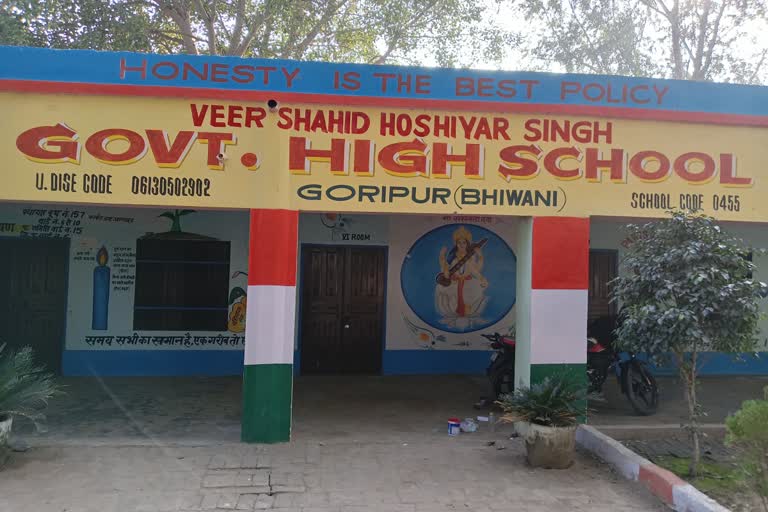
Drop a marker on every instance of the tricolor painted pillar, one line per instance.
(269, 327)
(553, 282)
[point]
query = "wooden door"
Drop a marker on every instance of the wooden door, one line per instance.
(602, 270)
(342, 310)
(33, 296)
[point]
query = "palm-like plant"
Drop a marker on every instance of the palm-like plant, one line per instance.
(553, 402)
(25, 387)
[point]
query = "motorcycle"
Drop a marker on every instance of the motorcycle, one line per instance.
(635, 378)
(501, 368)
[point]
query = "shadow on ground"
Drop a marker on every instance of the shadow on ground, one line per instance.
(200, 410)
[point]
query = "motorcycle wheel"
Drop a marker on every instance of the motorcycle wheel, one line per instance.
(504, 382)
(641, 388)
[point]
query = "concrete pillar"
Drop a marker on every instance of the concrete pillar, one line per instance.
(269, 327)
(552, 289)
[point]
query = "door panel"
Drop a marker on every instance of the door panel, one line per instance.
(342, 310)
(363, 310)
(321, 307)
(33, 288)
(602, 270)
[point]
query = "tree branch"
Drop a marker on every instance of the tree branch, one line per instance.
(237, 30)
(397, 36)
(330, 11)
(702, 36)
(707, 57)
(756, 72)
(381, 59)
(267, 20)
(181, 18)
(590, 43)
(677, 41)
(210, 25)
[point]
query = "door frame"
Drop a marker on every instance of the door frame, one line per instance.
(300, 298)
(67, 261)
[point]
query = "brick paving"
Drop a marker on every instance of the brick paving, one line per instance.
(462, 474)
(360, 444)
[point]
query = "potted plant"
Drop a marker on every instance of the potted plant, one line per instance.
(547, 415)
(25, 389)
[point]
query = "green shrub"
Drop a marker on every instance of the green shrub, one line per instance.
(25, 387)
(748, 430)
(553, 402)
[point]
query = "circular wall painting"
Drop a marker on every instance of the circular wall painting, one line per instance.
(459, 278)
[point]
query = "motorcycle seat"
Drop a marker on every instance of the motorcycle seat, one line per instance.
(508, 341)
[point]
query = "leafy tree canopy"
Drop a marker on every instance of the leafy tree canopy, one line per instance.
(452, 32)
(720, 40)
(687, 285)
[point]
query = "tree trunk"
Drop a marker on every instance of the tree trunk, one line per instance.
(693, 419)
(678, 72)
(687, 372)
(693, 411)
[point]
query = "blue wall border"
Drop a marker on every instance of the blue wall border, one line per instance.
(721, 363)
(434, 362)
(152, 363)
(97, 67)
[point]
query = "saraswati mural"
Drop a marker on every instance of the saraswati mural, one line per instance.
(459, 278)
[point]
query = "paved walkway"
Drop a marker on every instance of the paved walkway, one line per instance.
(197, 410)
(462, 474)
(720, 396)
(360, 444)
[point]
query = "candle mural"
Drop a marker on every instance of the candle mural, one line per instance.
(101, 291)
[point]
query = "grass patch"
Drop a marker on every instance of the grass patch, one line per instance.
(721, 481)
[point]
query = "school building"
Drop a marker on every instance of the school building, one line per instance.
(182, 215)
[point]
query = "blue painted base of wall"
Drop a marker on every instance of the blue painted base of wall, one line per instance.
(156, 363)
(718, 363)
(426, 362)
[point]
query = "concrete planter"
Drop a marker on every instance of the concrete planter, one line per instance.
(6, 422)
(550, 447)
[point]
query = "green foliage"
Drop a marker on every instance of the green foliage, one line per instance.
(719, 480)
(593, 36)
(553, 402)
(748, 429)
(686, 286)
(373, 31)
(97, 24)
(695, 40)
(25, 387)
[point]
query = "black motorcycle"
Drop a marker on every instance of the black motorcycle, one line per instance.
(501, 368)
(634, 376)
